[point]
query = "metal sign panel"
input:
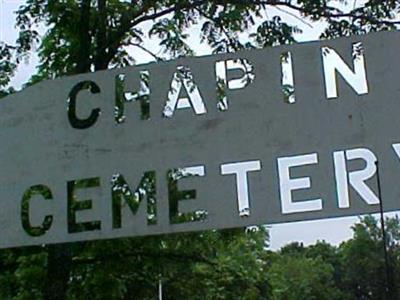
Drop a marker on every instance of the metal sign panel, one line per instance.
(258, 137)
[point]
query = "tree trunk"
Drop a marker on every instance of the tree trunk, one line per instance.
(83, 59)
(101, 61)
(59, 262)
(59, 259)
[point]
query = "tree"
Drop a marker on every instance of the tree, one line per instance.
(207, 265)
(107, 27)
(299, 277)
(364, 254)
(354, 270)
(300, 272)
(330, 255)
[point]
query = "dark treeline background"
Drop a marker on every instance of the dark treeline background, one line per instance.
(228, 264)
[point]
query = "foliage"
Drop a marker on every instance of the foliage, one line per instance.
(299, 277)
(364, 254)
(107, 33)
(7, 66)
(208, 265)
(354, 270)
(226, 264)
(22, 273)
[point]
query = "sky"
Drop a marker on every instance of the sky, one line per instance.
(8, 33)
(333, 231)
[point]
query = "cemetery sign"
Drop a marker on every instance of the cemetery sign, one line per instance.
(257, 137)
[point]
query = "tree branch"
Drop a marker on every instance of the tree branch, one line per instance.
(157, 58)
(140, 16)
(115, 42)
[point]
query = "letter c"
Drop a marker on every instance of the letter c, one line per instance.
(73, 119)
